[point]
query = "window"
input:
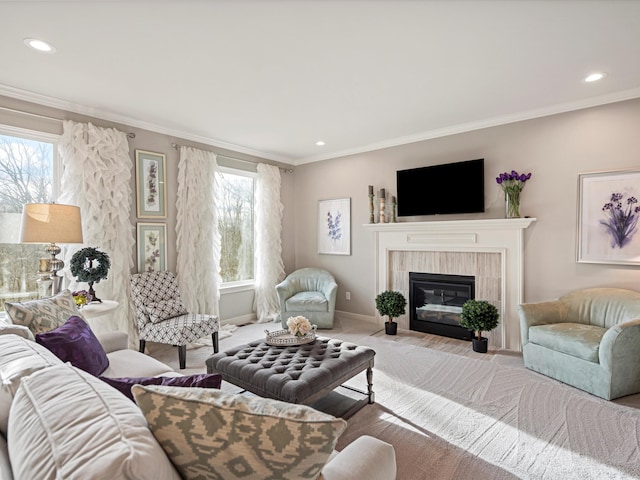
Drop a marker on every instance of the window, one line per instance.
(235, 223)
(28, 174)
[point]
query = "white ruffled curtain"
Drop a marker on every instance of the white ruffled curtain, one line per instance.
(198, 239)
(97, 178)
(269, 265)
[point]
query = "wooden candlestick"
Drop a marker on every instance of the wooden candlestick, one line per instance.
(371, 218)
(393, 210)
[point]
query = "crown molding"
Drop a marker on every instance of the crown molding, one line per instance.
(53, 102)
(490, 122)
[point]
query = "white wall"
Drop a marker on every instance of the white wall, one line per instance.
(555, 149)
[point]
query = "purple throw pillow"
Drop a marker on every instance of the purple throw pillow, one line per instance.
(205, 380)
(74, 342)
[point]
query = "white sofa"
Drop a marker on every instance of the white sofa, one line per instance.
(57, 419)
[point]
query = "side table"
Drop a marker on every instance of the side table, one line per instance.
(97, 309)
(94, 311)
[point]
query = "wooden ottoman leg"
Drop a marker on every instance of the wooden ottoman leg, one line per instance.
(372, 396)
(214, 338)
(182, 356)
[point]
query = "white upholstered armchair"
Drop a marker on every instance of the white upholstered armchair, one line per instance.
(162, 317)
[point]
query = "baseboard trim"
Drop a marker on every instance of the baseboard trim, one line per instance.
(356, 316)
(241, 320)
(251, 318)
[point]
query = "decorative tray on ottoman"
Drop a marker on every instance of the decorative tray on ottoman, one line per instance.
(283, 338)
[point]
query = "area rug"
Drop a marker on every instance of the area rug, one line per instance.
(224, 332)
(455, 414)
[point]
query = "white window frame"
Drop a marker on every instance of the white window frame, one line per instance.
(44, 137)
(18, 132)
(242, 285)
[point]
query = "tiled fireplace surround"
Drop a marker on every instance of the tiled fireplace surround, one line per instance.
(490, 250)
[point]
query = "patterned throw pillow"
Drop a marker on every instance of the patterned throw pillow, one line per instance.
(74, 342)
(215, 434)
(44, 314)
(165, 309)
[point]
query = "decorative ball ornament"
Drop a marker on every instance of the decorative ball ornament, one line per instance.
(90, 265)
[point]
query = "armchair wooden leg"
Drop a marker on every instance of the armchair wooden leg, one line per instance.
(214, 337)
(182, 356)
(143, 344)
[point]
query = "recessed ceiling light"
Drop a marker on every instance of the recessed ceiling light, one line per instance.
(39, 45)
(320, 143)
(594, 77)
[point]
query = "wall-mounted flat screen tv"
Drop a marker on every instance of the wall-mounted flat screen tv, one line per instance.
(441, 189)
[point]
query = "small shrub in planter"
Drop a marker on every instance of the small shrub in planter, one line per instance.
(391, 304)
(479, 316)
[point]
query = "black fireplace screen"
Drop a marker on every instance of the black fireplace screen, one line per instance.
(435, 302)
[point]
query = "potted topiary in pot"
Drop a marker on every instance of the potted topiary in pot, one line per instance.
(391, 304)
(479, 316)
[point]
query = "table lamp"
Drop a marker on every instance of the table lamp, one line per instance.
(51, 223)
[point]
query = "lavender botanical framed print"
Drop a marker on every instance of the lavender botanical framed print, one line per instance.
(334, 226)
(608, 214)
(152, 247)
(150, 184)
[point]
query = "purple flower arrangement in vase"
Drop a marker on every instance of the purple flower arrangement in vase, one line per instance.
(622, 221)
(512, 184)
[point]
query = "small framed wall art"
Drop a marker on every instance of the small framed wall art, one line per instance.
(334, 226)
(152, 247)
(150, 184)
(608, 213)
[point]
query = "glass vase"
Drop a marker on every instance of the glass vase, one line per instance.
(512, 204)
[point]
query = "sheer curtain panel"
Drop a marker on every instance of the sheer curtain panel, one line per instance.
(269, 265)
(198, 239)
(97, 178)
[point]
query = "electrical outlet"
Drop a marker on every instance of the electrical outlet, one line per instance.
(348, 295)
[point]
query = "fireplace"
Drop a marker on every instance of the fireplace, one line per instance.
(491, 250)
(435, 303)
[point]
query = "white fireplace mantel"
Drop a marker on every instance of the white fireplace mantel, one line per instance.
(503, 236)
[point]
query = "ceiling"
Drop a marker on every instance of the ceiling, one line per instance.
(272, 77)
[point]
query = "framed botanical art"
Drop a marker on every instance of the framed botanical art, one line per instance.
(608, 213)
(152, 247)
(150, 184)
(334, 226)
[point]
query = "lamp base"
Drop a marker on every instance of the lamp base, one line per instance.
(56, 284)
(55, 265)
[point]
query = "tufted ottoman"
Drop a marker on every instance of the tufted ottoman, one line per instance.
(294, 374)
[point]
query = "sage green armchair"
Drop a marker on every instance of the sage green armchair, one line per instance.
(310, 292)
(589, 339)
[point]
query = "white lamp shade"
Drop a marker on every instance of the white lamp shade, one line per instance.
(50, 223)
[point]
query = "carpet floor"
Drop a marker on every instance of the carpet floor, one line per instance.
(452, 413)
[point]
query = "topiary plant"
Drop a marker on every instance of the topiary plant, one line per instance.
(85, 270)
(479, 316)
(391, 304)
